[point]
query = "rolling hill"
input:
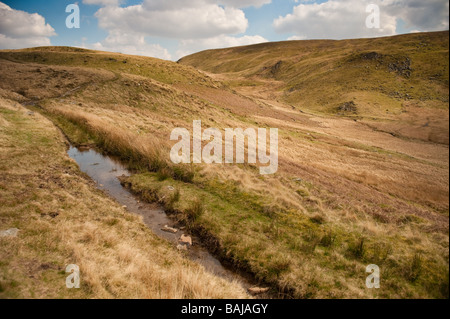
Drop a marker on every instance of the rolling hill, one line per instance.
(363, 152)
(389, 79)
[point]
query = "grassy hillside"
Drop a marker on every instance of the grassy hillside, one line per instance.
(119, 257)
(382, 78)
(348, 193)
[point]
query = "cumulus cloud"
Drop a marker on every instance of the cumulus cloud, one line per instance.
(191, 46)
(196, 24)
(19, 29)
(339, 19)
(244, 3)
(178, 19)
(296, 38)
(103, 2)
(336, 19)
(231, 3)
(430, 15)
(132, 43)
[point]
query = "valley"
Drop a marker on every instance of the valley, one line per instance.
(363, 173)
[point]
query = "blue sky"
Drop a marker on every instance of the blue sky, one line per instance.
(170, 29)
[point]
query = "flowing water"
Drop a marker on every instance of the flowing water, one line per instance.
(105, 171)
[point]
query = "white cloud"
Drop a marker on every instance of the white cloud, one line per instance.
(340, 19)
(103, 2)
(429, 15)
(244, 3)
(134, 44)
(178, 19)
(197, 24)
(21, 43)
(174, 3)
(335, 19)
(191, 46)
(19, 29)
(296, 38)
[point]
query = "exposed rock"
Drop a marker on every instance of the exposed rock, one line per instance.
(168, 229)
(394, 63)
(186, 240)
(402, 67)
(371, 56)
(12, 232)
(274, 70)
(258, 291)
(348, 107)
(51, 215)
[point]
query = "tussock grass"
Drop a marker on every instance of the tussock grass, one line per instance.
(365, 73)
(378, 176)
(117, 255)
(141, 153)
(270, 248)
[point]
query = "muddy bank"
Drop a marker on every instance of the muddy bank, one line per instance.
(106, 173)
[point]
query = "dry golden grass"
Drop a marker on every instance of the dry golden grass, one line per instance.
(118, 256)
(341, 182)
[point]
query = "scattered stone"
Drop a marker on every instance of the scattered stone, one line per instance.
(182, 247)
(402, 67)
(371, 56)
(348, 107)
(124, 207)
(186, 240)
(170, 188)
(258, 291)
(399, 64)
(52, 214)
(12, 232)
(276, 67)
(168, 229)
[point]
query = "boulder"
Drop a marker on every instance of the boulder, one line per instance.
(186, 240)
(258, 291)
(168, 229)
(12, 232)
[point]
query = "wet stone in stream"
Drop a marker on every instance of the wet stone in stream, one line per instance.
(106, 172)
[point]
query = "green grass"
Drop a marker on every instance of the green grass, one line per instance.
(271, 243)
(305, 65)
(306, 251)
(40, 180)
(261, 237)
(159, 70)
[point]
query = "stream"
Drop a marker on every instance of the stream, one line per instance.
(105, 171)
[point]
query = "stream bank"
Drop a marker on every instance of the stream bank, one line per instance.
(106, 172)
